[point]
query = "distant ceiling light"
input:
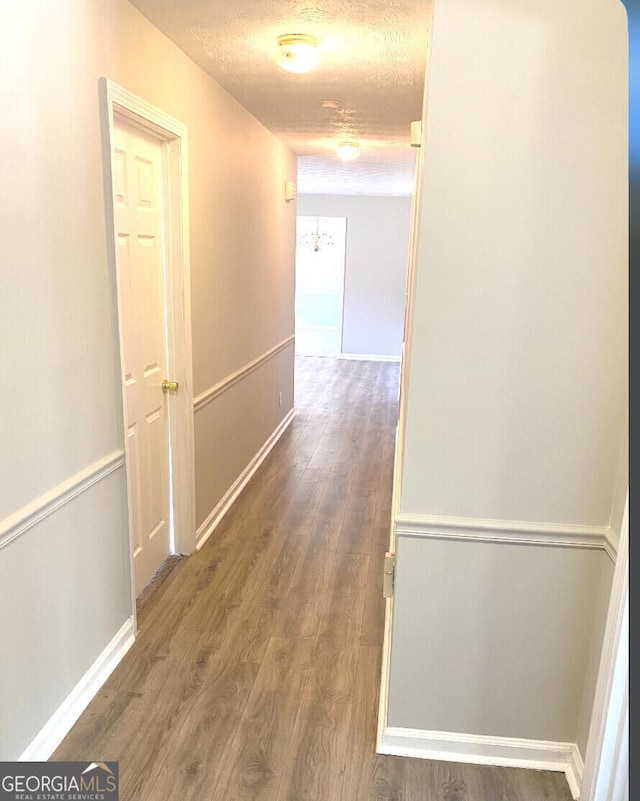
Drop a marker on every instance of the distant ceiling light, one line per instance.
(298, 52)
(331, 104)
(347, 151)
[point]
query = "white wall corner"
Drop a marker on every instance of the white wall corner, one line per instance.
(611, 543)
(607, 756)
(59, 724)
(574, 772)
(478, 749)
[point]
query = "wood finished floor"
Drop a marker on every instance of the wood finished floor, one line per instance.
(255, 673)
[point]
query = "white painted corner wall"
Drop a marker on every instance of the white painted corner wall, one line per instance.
(606, 774)
(375, 270)
(512, 457)
(520, 319)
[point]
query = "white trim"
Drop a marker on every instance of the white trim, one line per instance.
(118, 103)
(574, 772)
(60, 723)
(222, 507)
(141, 112)
(222, 386)
(484, 750)
(385, 674)
(486, 530)
(181, 424)
(322, 327)
(369, 357)
(606, 759)
(16, 524)
(405, 368)
(618, 784)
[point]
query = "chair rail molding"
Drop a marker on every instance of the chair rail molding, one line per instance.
(213, 392)
(513, 531)
(33, 513)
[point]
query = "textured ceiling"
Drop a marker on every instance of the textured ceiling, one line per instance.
(373, 61)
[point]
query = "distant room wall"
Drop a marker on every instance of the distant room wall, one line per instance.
(376, 269)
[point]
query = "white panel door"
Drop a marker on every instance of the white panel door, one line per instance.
(139, 217)
(320, 255)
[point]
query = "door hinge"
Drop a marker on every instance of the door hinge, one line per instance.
(389, 576)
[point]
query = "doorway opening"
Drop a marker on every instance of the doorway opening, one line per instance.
(320, 269)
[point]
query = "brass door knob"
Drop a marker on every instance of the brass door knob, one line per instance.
(169, 386)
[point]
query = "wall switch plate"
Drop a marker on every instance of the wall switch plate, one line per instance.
(416, 133)
(290, 191)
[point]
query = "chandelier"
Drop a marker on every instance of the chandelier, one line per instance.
(316, 237)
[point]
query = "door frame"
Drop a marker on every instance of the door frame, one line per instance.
(117, 103)
(398, 460)
(320, 217)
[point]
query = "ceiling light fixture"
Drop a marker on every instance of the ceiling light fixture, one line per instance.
(348, 151)
(298, 52)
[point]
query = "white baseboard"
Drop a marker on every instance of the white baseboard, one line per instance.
(226, 502)
(60, 723)
(368, 357)
(486, 750)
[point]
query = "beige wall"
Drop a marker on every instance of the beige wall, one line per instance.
(516, 390)
(493, 638)
(521, 293)
(235, 425)
(63, 414)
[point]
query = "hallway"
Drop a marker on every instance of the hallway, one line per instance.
(255, 673)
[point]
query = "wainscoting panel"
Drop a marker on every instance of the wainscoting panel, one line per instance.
(65, 568)
(236, 423)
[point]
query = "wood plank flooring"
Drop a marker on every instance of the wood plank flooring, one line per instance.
(256, 671)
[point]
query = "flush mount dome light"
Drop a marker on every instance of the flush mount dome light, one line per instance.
(298, 52)
(348, 151)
